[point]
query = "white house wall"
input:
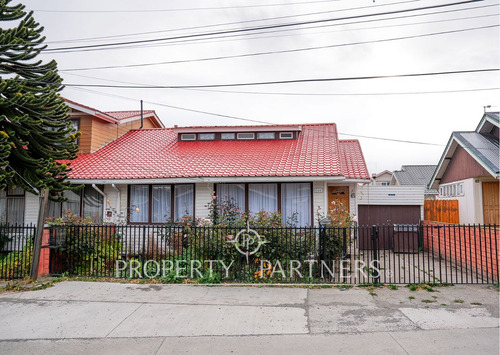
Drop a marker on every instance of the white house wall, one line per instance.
(32, 204)
(203, 195)
(470, 202)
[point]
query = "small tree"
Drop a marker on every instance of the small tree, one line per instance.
(35, 132)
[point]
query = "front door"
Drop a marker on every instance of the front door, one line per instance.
(490, 203)
(338, 194)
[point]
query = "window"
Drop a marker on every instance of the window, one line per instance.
(262, 197)
(234, 192)
(206, 136)
(154, 203)
(188, 137)
(246, 135)
(296, 203)
(162, 197)
(183, 205)
(75, 122)
(265, 135)
(92, 204)
(227, 136)
(384, 183)
(286, 135)
(12, 206)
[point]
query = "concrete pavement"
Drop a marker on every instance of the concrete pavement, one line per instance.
(88, 317)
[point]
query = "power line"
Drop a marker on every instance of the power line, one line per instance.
(308, 94)
(258, 28)
(264, 122)
(285, 81)
(232, 23)
(189, 9)
(285, 50)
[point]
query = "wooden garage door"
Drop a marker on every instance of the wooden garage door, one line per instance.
(490, 203)
(385, 215)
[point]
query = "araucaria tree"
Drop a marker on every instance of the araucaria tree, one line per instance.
(35, 131)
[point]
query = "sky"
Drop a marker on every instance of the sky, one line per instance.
(459, 37)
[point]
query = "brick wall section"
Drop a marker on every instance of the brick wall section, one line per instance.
(43, 266)
(474, 247)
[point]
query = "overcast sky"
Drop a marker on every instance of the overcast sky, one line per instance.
(423, 117)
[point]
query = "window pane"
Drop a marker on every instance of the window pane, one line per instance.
(227, 136)
(92, 203)
(206, 136)
(183, 204)
(15, 191)
(3, 210)
(15, 210)
(262, 197)
(53, 209)
(236, 192)
(246, 135)
(139, 203)
(73, 203)
(161, 203)
(265, 135)
(296, 203)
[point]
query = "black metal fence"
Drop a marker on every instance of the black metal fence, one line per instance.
(393, 254)
(16, 250)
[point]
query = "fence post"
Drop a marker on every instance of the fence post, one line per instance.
(375, 269)
(143, 253)
(37, 244)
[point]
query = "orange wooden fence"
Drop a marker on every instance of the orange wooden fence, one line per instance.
(445, 211)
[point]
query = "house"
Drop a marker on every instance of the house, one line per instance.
(468, 171)
(98, 129)
(382, 179)
(415, 175)
(157, 175)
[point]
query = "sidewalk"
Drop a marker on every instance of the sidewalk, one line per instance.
(85, 317)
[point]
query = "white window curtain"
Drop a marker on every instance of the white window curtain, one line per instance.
(139, 203)
(296, 203)
(3, 210)
(232, 191)
(93, 203)
(53, 209)
(15, 209)
(262, 197)
(183, 201)
(162, 195)
(73, 202)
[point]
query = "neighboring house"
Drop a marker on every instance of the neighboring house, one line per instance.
(158, 175)
(98, 129)
(382, 179)
(415, 175)
(468, 171)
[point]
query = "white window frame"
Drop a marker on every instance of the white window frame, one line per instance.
(262, 135)
(283, 135)
(239, 136)
(206, 136)
(184, 137)
(224, 136)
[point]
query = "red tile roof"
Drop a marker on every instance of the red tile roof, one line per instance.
(157, 153)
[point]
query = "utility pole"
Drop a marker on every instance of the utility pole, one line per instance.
(37, 245)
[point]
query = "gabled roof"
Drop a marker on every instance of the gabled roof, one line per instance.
(416, 175)
(115, 116)
(158, 154)
(480, 145)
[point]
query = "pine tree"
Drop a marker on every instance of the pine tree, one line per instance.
(35, 131)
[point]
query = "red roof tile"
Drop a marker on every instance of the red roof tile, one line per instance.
(156, 153)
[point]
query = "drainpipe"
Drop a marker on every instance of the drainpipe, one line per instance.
(118, 199)
(142, 116)
(94, 186)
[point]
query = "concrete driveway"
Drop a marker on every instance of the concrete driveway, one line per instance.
(109, 318)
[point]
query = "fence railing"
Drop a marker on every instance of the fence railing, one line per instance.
(394, 254)
(16, 248)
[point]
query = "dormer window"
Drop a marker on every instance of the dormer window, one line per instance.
(286, 135)
(188, 137)
(265, 135)
(246, 136)
(206, 136)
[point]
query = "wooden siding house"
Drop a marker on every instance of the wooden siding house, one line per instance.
(468, 171)
(98, 128)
